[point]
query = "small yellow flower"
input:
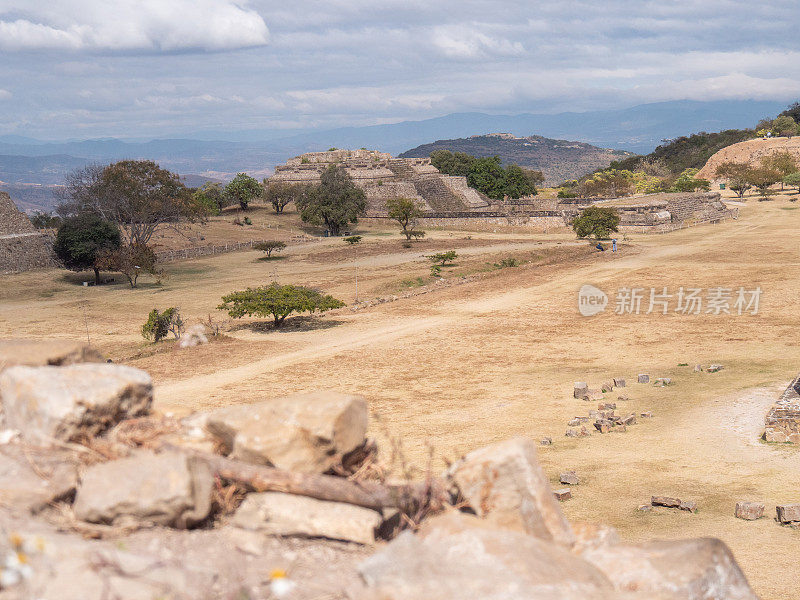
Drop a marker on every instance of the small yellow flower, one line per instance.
(22, 558)
(277, 574)
(16, 540)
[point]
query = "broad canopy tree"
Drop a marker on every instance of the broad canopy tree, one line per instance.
(137, 195)
(596, 221)
(277, 301)
(243, 189)
(335, 202)
(280, 193)
(405, 211)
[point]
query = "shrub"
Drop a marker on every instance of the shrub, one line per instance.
(507, 262)
(596, 221)
(443, 258)
(278, 301)
(161, 324)
(353, 239)
(270, 247)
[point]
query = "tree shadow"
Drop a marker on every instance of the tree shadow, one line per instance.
(295, 324)
(271, 258)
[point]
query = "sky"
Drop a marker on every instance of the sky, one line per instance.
(158, 68)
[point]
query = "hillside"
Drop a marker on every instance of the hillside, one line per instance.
(557, 159)
(688, 152)
(749, 151)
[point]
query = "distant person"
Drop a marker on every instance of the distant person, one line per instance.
(600, 247)
(614, 245)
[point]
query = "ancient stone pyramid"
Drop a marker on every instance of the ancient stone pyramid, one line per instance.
(11, 219)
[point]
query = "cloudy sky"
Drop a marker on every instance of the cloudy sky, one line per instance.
(142, 68)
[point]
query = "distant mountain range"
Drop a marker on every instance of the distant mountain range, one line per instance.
(220, 155)
(556, 159)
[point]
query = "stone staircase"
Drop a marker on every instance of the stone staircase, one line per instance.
(438, 196)
(401, 168)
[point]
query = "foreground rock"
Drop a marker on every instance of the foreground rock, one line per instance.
(505, 484)
(68, 403)
(287, 515)
(695, 569)
(164, 489)
(39, 353)
(457, 556)
(788, 513)
(308, 433)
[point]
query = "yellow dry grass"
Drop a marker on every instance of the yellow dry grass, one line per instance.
(470, 364)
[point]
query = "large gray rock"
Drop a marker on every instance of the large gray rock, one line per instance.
(307, 433)
(65, 403)
(458, 556)
(165, 489)
(694, 569)
(505, 484)
(289, 515)
(30, 478)
(788, 513)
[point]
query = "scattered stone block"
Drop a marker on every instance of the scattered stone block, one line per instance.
(505, 484)
(688, 506)
(571, 433)
(574, 422)
(280, 514)
(607, 387)
(568, 478)
(602, 425)
(623, 398)
(66, 403)
(715, 368)
(165, 489)
(663, 381)
(788, 513)
(629, 420)
(594, 395)
(619, 382)
(645, 507)
(584, 432)
(307, 433)
(619, 429)
(749, 511)
(643, 378)
(594, 414)
(665, 501)
(698, 368)
(562, 494)
(646, 415)
(548, 441)
(607, 406)
(458, 556)
(580, 389)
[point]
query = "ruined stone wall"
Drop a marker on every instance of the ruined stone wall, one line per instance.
(11, 219)
(26, 252)
(782, 423)
(483, 223)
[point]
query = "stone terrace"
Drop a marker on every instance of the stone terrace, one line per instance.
(783, 419)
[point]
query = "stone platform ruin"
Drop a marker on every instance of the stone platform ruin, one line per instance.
(22, 247)
(782, 423)
(382, 177)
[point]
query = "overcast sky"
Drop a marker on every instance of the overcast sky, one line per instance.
(140, 68)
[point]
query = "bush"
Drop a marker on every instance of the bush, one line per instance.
(353, 239)
(131, 261)
(159, 325)
(270, 247)
(443, 258)
(278, 301)
(596, 221)
(562, 193)
(507, 262)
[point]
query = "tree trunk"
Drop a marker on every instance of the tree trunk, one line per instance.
(96, 276)
(369, 494)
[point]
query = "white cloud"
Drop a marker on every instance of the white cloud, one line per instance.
(4, 94)
(465, 41)
(130, 25)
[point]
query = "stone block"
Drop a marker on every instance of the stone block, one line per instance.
(788, 513)
(643, 378)
(749, 511)
(568, 478)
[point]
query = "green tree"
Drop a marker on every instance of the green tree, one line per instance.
(405, 211)
(793, 111)
(243, 189)
(137, 195)
(335, 202)
(596, 221)
(449, 163)
(793, 180)
(45, 220)
(80, 241)
(737, 175)
(782, 162)
(611, 183)
(784, 126)
(270, 247)
(211, 197)
(277, 301)
(687, 182)
(280, 193)
(443, 258)
(763, 178)
(518, 183)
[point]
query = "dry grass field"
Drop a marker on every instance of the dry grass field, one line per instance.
(466, 365)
